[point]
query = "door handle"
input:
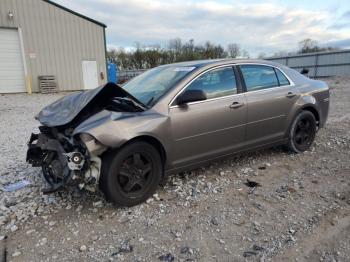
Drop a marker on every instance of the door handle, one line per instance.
(290, 94)
(236, 105)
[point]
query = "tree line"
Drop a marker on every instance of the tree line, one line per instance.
(144, 57)
(149, 56)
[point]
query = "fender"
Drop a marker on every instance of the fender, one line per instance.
(304, 102)
(107, 128)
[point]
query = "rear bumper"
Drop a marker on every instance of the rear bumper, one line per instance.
(324, 111)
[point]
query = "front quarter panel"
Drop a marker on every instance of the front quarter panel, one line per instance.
(113, 129)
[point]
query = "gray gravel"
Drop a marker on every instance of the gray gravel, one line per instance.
(301, 210)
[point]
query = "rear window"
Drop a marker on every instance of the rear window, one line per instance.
(282, 79)
(257, 77)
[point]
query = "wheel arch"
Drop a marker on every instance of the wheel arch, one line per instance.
(313, 110)
(306, 107)
(151, 140)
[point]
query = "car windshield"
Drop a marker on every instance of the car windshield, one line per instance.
(151, 85)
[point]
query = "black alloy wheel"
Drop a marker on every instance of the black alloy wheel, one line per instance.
(303, 132)
(132, 174)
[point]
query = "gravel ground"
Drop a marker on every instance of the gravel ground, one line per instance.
(300, 212)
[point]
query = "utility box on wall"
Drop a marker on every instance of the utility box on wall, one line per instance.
(112, 73)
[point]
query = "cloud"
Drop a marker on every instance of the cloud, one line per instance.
(346, 15)
(345, 43)
(343, 22)
(267, 27)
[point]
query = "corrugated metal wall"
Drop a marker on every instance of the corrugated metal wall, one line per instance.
(55, 41)
(322, 64)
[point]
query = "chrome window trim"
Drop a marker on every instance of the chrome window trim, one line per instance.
(265, 89)
(291, 83)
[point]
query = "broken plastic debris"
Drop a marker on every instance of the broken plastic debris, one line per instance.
(249, 253)
(167, 257)
(16, 186)
(251, 183)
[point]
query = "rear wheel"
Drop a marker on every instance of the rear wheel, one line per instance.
(302, 132)
(132, 174)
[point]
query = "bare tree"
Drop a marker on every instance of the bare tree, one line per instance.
(308, 45)
(112, 55)
(175, 45)
(233, 50)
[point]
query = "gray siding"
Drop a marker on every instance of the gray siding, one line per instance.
(59, 39)
(322, 64)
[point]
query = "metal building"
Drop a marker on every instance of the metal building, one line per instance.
(42, 38)
(320, 64)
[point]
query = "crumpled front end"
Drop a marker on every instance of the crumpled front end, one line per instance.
(65, 160)
(65, 155)
(63, 149)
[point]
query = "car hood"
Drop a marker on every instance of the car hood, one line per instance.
(75, 108)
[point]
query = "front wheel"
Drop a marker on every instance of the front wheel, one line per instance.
(302, 132)
(132, 174)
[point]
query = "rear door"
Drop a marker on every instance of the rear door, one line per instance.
(209, 128)
(270, 96)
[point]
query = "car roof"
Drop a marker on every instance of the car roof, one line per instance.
(215, 62)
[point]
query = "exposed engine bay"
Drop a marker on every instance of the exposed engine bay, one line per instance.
(67, 157)
(65, 160)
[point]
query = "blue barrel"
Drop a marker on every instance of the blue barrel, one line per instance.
(112, 73)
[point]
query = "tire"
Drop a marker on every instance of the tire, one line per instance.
(302, 132)
(132, 174)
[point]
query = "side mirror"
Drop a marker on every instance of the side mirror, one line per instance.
(191, 96)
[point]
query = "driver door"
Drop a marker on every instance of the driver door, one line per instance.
(206, 129)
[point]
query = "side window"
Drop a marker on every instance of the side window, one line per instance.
(258, 77)
(216, 83)
(282, 79)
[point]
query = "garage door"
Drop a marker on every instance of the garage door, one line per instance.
(11, 63)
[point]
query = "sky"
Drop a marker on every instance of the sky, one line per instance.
(257, 26)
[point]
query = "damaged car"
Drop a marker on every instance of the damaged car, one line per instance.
(125, 140)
